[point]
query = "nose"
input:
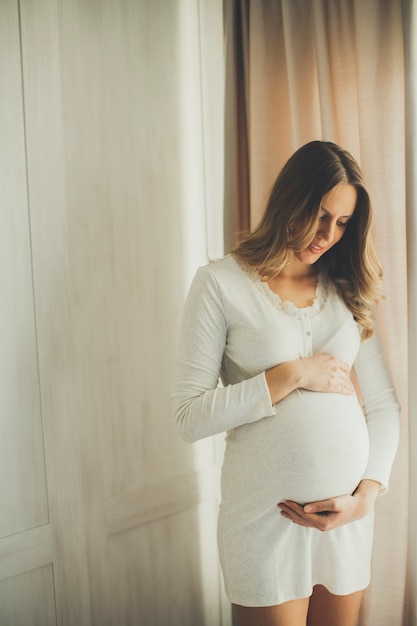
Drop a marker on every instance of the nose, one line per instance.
(327, 231)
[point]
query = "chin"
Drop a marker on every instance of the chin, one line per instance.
(309, 259)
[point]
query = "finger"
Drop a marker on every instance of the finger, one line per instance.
(298, 508)
(324, 519)
(326, 522)
(294, 511)
(324, 506)
(316, 509)
(295, 518)
(291, 509)
(345, 367)
(316, 521)
(345, 389)
(344, 382)
(301, 523)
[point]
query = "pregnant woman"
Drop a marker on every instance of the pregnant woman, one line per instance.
(286, 322)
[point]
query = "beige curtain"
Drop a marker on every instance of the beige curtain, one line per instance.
(410, 47)
(299, 70)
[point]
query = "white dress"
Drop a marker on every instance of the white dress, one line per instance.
(309, 446)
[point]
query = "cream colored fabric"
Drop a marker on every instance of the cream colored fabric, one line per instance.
(307, 447)
(335, 71)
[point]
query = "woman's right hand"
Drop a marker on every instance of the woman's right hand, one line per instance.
(320, 372)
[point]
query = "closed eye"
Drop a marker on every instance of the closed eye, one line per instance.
(326, 215)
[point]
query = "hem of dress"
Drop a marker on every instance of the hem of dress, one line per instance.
(295, 596)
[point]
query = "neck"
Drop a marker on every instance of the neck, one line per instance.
(299, 271)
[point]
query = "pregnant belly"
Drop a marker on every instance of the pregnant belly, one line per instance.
(315, 447)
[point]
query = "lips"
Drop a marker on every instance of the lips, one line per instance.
(315, 249)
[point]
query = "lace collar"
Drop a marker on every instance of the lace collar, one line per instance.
(286, 307)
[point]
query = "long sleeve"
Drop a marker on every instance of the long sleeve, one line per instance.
(380, 407)
(201, 407)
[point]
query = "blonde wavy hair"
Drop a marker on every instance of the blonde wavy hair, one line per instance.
(296, 197)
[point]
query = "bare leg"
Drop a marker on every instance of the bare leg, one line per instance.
(327, 609)
(292, 613)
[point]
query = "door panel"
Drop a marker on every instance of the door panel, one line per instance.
(23, 491)
(110, 517)
(28, 599)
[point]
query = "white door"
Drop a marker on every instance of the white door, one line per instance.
(106, 516)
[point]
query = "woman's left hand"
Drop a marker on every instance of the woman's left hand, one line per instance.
(328, 514)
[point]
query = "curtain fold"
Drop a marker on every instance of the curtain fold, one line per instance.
(410, 47)
(334, 70)
(237, 187)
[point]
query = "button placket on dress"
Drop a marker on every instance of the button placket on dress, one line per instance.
(307, 334)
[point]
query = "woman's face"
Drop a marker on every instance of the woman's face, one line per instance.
(336, 209)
